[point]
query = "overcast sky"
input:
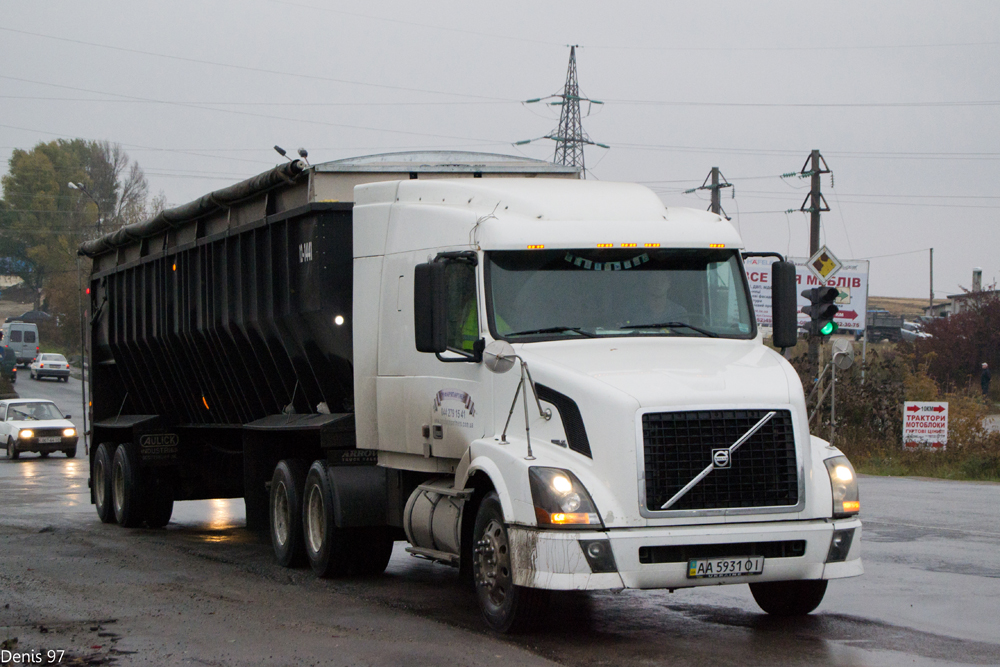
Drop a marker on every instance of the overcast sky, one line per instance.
(901, 98)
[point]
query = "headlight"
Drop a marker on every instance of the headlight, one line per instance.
(560, 500)
(844, 484)
(69, 432)
(25, 433)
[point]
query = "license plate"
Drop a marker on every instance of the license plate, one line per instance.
(49, 439)
(707, 568)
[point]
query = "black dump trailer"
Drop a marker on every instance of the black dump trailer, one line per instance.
(216, 348)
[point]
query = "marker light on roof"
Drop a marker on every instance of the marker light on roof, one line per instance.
(716, 245)
(650, 245)
(536, 247)
(605, 245)
(629, 245)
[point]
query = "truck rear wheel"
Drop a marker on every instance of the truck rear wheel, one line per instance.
(287, 486)
(789, 598)
(505, 607)
(326, 544)
(100, 476)
(126, 491)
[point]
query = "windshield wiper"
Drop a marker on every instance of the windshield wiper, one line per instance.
(578, 330)
(672, 325)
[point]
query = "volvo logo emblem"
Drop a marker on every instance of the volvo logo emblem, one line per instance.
(720, 458)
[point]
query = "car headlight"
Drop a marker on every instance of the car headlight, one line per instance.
(25, 433)
(69, 432)
(560, 500)
(844, 484)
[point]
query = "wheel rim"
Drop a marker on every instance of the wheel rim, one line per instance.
(315, 520)
(118, 487)
(492, 564)
(99, 474)
(280, 518)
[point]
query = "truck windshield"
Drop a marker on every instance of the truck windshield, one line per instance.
(617, 292)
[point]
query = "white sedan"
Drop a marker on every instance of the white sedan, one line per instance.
(36, 425)
(49, 366)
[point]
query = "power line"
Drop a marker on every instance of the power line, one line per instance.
(270, 103)
(247, 68)
(249, 113)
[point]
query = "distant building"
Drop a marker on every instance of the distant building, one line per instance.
(957, 303)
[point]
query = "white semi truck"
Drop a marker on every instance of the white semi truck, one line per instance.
(550, 383)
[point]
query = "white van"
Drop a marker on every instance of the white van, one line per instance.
(22, 337)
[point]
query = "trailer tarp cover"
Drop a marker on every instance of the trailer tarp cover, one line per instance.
(213, 201)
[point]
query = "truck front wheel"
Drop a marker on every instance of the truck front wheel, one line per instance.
(100, 476)
(126, 491)
(789, 598)
(326, 544)
(505, 607)
(287, 485)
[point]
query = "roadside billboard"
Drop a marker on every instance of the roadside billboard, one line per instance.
(851, 280)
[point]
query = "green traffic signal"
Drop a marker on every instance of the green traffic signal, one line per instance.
(822, 310)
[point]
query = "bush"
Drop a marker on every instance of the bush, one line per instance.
(870, 418)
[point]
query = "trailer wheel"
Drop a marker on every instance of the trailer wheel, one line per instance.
(789, 598)
(126, 491)
(326, 544)
(505, 607)
(371, 549)
(287, 486)
(100, 476)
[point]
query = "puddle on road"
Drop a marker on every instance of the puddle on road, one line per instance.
(213, 521)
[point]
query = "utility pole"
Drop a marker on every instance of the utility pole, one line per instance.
(569, 137)
(817, 204)
(930, 310)
(716, 186)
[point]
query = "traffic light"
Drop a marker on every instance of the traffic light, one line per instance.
(821, 311)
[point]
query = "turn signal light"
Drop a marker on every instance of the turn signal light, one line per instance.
(852, 505)
(563, 518)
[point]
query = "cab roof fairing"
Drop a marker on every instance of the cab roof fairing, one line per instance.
(515, 213)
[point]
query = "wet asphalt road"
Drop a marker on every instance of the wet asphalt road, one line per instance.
(930, 595)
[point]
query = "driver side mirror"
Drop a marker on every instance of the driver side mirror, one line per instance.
(68, 416)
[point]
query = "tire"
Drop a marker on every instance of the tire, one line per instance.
(44, 455)
(100, 476)
(285, 512)
(326, 544)
(70, 453)
(126, 487)
(789, 598)
(32, 375)
(12, 452)
(505, 607)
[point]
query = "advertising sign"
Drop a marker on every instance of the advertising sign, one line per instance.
(851, 280)
(925, 424)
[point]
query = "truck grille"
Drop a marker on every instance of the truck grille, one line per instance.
(678, 446)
